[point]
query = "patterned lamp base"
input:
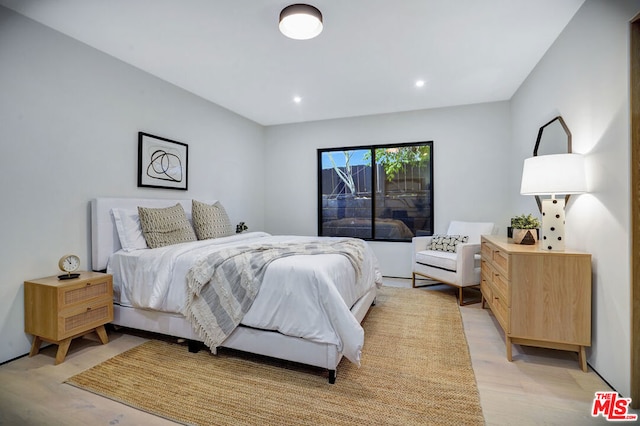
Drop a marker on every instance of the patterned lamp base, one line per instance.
(552, 224)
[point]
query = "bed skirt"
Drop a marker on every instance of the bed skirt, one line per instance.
(247, 339)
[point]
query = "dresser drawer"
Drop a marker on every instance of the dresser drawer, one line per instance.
(486, 250)
(497, 258)
(500, 261)
(496, 281)
(501, 311)
(496, 303)
(501, 287)
(486, 289)
(486, 270)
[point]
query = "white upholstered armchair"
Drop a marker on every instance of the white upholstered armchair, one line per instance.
(460, 266)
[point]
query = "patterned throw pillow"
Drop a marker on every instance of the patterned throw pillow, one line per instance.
(447, 242)
(165, 226)
(210, 221)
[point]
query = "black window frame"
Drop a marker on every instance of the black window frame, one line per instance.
(372, 149)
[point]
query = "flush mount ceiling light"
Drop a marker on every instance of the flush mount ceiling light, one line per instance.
(300, 21)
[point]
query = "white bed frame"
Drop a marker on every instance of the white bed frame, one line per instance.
(105, 241)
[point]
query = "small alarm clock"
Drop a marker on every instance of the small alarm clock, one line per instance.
(69, 263)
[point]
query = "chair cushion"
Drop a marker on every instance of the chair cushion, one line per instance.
(447, 242)
(437, 259)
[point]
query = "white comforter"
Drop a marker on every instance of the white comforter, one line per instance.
(302, 296)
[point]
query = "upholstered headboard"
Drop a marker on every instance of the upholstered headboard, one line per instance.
(104, 236)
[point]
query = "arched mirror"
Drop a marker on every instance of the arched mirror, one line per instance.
(553, 138)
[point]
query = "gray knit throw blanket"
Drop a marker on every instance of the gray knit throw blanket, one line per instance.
(221, 286)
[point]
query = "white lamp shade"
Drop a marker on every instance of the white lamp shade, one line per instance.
(300, 21)
(553, 174)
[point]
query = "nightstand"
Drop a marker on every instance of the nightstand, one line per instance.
(57, 311)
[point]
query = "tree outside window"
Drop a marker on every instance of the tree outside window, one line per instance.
(382, 192)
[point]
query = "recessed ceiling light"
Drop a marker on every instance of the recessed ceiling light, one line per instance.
(297, 99)
(420, 83)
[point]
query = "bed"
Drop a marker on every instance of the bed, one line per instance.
(149, 290)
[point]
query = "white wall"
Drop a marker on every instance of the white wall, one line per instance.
(69, 120)
(470, 152)
(585, 78)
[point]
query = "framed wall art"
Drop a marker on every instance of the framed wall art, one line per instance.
(162, 162)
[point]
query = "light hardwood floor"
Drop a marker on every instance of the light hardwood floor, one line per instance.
(539, 387)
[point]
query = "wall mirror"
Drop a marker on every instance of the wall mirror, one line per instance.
(553, 138)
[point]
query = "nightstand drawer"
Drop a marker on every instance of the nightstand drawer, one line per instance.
(78, 320)
(85, 292)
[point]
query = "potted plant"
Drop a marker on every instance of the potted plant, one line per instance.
(525, 229)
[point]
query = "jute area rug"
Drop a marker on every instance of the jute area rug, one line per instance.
(416, 370)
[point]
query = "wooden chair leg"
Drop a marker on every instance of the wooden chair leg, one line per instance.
(413, 280)
(461, 301)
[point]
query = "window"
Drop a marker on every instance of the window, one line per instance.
(382, 192)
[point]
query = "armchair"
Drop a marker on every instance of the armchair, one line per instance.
(460, 268)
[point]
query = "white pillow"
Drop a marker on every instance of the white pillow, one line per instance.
(129, 229)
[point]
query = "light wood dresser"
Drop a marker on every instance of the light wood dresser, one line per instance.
(540, 298)
(57, 311)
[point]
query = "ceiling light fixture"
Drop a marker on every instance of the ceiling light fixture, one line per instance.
(300, 21)
(297, 99)
(420, 83)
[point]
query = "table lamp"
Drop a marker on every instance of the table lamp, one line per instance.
(552, 175)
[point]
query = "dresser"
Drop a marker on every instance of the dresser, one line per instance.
(540, 298)
(57, 311)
